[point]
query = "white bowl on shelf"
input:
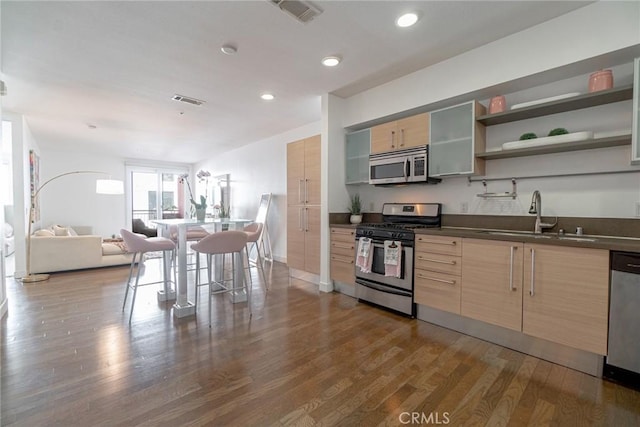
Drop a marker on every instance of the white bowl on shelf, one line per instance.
(548, 140)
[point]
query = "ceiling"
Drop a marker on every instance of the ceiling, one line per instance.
(99, 76)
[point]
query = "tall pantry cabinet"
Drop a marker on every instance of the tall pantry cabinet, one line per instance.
(303, 204)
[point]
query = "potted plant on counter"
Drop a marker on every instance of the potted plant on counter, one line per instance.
(355, 209)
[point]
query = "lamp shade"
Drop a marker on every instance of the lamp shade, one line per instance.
(109, 186)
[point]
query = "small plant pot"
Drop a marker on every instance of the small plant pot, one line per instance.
(355, 219)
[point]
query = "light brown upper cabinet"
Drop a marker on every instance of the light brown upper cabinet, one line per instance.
(400, 134)
(303, 204)
(303, 172)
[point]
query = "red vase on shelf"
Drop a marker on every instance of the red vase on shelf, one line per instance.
(497, 104)
(600, 80)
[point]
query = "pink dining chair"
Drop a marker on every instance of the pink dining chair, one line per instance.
(221, 243)
(139, 246)
(254, 231)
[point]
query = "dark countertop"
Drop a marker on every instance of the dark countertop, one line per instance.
(353, 226)
(599, 242)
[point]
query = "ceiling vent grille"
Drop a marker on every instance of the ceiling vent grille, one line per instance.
(186, 99)
(303, 11)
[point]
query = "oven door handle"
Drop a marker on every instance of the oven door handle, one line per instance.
(385, 289)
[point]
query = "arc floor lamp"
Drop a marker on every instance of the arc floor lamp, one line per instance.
(103, 186)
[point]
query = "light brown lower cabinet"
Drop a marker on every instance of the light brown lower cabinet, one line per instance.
(437, 281)
(557, 293)
(492, 278)
(343, 249)
(303, 238)
(566, 296)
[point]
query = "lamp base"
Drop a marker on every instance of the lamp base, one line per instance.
(34, 278)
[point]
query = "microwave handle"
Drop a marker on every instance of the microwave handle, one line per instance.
(407, 171)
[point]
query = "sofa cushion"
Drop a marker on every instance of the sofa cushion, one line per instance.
(61, 230)
(112, 249)
(45, 232)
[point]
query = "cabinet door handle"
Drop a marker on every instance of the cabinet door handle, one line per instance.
(306, 219)
(435, 242)
(393, 134)
(437, 260)
(343, 245)
(513, 250)
(448, 282)
(341, 260)
(300, 200)
(401, 137)
(300, 219)
(533, 270)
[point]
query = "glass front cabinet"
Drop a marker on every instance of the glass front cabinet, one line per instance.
(357, 147)
(455, 137)
(635, 135)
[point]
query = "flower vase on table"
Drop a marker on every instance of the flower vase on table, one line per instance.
(223, 214)
(200, 207)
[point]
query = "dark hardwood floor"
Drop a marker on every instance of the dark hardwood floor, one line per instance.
(69, 358)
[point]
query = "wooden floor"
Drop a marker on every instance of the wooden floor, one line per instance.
(69, 358)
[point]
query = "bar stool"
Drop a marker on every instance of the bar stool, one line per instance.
(194, 234)
(224, 242)
(139, 246)
(254, 231)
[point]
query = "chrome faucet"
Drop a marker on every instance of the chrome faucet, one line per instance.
(536, 208)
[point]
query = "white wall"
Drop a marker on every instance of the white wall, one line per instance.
(588, 32)
(257, 168)
(564, 40)
(72, 200)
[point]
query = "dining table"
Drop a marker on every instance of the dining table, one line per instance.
(183, 307)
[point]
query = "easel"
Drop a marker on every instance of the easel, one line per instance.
(264, 243)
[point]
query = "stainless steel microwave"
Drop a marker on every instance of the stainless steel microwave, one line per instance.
(406, 166)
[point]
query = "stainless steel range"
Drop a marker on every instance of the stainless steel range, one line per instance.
(376, 282)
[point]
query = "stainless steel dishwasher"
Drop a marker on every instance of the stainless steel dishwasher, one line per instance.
(623, 359)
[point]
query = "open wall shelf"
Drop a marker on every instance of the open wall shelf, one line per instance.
(560, 106)
(588, 144)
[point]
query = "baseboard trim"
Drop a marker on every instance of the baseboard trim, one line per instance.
(304, 275)
(326, 287)
(579, 360)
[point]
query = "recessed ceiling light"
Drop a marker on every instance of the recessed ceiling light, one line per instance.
(228, 49)
(407, 20)
(267, 96)
(331, 61)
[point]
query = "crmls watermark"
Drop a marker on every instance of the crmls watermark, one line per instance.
(436, 418)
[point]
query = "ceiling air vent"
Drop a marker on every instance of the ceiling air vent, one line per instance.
(303, 11)
(186, 99)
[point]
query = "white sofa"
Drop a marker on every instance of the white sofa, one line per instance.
(61, 253)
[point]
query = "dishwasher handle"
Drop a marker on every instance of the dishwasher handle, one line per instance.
(627, 262)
